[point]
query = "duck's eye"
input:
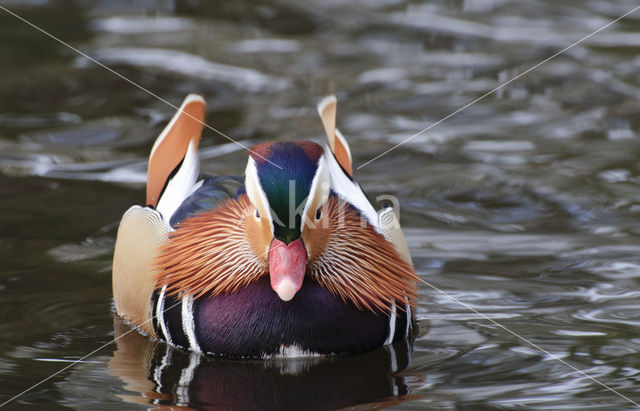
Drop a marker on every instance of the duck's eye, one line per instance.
(318, 213)
(257, 214)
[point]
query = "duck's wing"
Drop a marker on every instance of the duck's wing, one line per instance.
(338, 160)
(392, 231)
(212, 190)
(141, 231)
(385, 221)
(175, 151)
(172, 174)
(328, 108)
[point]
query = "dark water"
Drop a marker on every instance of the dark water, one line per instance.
(524, 207)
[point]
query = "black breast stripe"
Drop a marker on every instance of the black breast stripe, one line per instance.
(167, 320)
(403, 323)
(173, 321)
(154, 318)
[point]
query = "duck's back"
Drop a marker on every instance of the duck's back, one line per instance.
(211, 191)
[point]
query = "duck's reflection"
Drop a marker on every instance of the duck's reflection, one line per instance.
(166, 376)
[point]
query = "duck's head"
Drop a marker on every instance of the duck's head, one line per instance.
(288, 186)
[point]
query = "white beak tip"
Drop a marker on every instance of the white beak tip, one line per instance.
(286, 289)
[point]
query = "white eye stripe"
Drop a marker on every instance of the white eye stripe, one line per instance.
(256, 195)
(320, 186)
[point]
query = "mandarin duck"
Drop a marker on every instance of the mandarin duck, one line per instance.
(291, 260)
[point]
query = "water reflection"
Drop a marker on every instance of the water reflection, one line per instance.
(524, 206)
(156, 373)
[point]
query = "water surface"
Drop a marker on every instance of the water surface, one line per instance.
(521, 211)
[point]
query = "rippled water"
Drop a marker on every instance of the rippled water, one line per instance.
(521, 211)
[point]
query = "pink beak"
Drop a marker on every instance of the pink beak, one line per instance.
(287, 265)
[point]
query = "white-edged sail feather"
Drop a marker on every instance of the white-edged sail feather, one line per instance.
(327, 108)
(342, 140)
(167, 129)
(168, 156)
(181, 185)
(349, 191)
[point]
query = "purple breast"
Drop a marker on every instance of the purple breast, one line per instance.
(254, 322)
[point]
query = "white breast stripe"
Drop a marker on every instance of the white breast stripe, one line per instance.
(392, 324)
(160, 316)
(182, 392)
(188, 324)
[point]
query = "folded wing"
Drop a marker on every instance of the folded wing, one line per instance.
(172, 173)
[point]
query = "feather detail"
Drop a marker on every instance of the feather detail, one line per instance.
(140, 233)
(210, 253)
(327, 108)
(359, 265)
(171, 146)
